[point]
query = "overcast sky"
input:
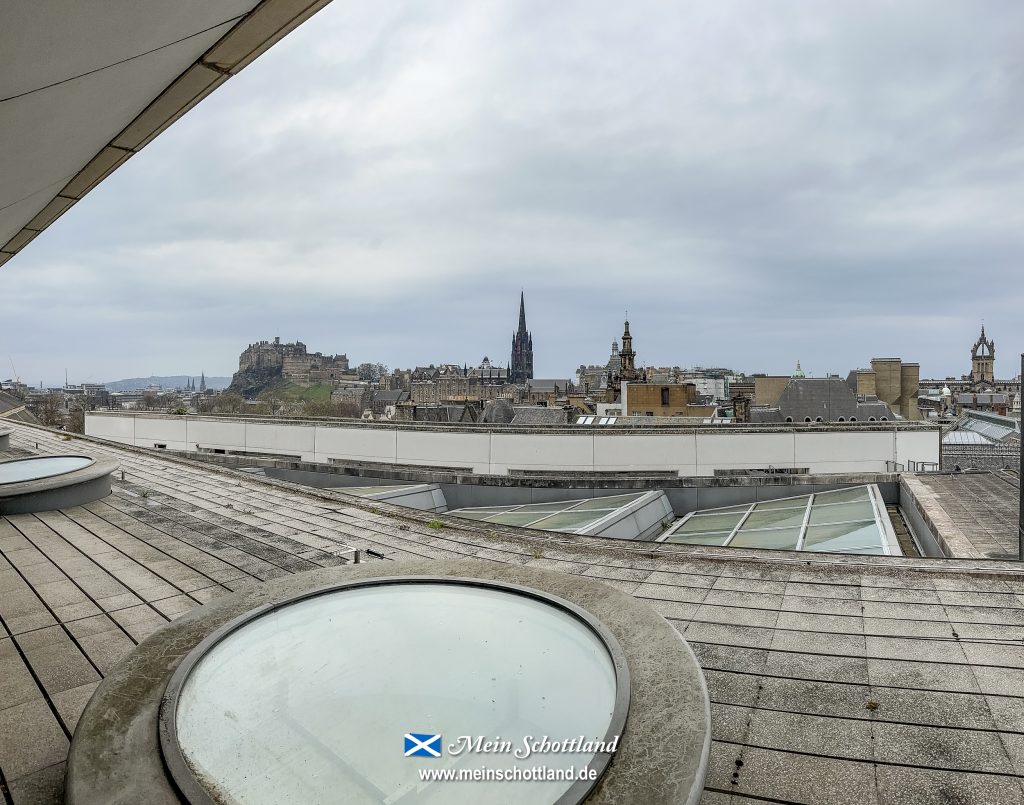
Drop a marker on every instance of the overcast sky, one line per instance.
(756, 182)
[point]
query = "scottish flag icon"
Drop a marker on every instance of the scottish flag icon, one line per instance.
(420, 745)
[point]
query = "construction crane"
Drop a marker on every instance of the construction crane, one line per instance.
(14, 371)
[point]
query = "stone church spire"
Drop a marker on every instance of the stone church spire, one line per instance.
(521, 365)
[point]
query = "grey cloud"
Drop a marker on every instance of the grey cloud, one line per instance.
(756, 182)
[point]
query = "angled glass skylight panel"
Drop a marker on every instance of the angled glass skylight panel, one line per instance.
(842, 495)
(783, 503)
(699, 539)
(712, 522)
(774, 518)
(610, 502)
(841, 512)
(861, 537)
(571, 519)
(514, 518)
(779, 539)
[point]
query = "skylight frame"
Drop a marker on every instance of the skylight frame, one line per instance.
(195, 793)
(887, 540)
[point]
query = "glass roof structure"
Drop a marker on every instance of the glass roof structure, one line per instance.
(571, 516)
(850, 520)
(965, 437)
(989, 429)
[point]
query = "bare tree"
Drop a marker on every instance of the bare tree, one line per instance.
(228, 402)
(50, 411)
(325, 408)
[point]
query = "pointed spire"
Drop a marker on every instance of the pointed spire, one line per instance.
(521, 365)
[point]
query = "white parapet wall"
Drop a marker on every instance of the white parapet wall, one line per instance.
(878, 447)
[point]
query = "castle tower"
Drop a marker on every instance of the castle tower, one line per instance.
(983, 358)
(521, 366)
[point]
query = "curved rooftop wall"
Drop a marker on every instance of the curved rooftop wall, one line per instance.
(500, 450)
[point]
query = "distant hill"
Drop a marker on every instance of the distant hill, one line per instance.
(167, 381)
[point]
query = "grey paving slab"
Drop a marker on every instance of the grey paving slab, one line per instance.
(814, 697)
(734, 658)
(729, 723)
(42, 787)
(139, 621)
(813, 622)
(740, 616)
(747, 636)
(666, 592)
(16, 683)
(71, 702)
(895, 648)
(922, 675)
(811, 734)
(724, 687)
(748, 585)
(821, 606)
(981, 653)
(908, 706)
(1007, 712)
(791, 777)
(60, 665)
(106, 649)
(823, 667)
(940, 748)
(843, 645)
(887, 627)
(900, 785)
(1003, 681)
(30, 739)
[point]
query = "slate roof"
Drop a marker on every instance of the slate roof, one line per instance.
(539, 415)
(390, 397)
(498, 412)
(829, 398)
(13, 409)
(837, 679)
(766, 416)
(549, 385)
(445, 413)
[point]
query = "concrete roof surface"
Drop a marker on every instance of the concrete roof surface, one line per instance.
(834, 679)
(979, 507)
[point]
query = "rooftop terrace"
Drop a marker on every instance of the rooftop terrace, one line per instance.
(836, 679)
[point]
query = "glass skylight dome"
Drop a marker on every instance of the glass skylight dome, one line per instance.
(311, 701)
(33, 469)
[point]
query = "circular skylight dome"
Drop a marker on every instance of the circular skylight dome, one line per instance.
(353, 694)
(32, 469)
